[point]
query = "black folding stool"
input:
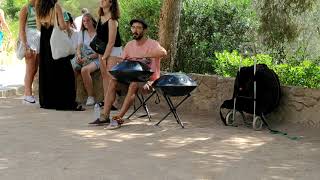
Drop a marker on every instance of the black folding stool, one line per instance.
(173, 108)
(143, 103)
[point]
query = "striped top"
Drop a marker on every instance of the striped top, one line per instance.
(31, 17)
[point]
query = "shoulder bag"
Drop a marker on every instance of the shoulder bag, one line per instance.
(97, 44)
(61, 43)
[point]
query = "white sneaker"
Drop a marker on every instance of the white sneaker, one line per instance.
(29, 99)
(90, 101)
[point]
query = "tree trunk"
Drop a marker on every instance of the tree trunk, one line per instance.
(169, 30)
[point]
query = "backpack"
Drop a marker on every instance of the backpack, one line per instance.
(268, 91)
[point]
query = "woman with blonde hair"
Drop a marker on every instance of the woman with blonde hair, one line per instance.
(108, 32)
(86, 60)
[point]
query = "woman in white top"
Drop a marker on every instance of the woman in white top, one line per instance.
(86, 60)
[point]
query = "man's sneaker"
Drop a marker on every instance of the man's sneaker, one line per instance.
(29, 99)
(90, 101)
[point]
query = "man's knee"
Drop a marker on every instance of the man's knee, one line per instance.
(133, 86)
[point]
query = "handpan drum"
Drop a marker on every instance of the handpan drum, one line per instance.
(131, 71)
(175, 84)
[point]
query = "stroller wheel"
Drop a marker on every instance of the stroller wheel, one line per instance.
(229, 118)
(257, 123)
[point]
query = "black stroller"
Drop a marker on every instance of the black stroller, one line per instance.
(256, 91)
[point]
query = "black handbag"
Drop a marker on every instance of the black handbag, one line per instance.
(98, 45)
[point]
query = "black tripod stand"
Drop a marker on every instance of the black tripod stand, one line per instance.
(143, 103)
(173, 109)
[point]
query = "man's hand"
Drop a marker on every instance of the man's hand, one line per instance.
(146, 61)
(147, 87)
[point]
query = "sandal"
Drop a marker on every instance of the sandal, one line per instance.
(118, 119)
(115, 123)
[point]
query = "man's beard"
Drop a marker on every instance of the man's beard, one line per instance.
(137, 36)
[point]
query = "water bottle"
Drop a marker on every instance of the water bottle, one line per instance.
(96, 111)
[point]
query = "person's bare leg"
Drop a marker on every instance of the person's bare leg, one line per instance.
(31, 61)
(132, 91)
(104, 75)
(109, 97)
(105, 67)
(86, 77)
(76, 74)
(117, 120)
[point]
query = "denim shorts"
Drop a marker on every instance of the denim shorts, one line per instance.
(78, 67)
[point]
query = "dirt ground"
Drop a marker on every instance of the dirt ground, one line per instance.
(40, 144)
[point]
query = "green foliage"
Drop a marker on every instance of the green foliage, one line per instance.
(227, 64)
(12, 8)
(146, 9)
(14, 27)
(72, 6)
(304, 74)
(207, 27)
(278, 26)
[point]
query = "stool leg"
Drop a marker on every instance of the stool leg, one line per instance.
(136, 108)
(165, 97)
(174, 112)
(143, 103)
(145, 107)
(173, 109)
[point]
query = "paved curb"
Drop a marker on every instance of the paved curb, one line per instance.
(12, 90)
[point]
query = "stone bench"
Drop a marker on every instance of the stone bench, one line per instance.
(97, 88)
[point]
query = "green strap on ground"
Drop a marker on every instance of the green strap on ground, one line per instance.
(285, 134)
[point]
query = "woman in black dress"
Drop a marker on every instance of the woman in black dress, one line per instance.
(56, 78)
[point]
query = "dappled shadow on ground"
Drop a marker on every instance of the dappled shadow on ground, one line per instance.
(208, 151)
